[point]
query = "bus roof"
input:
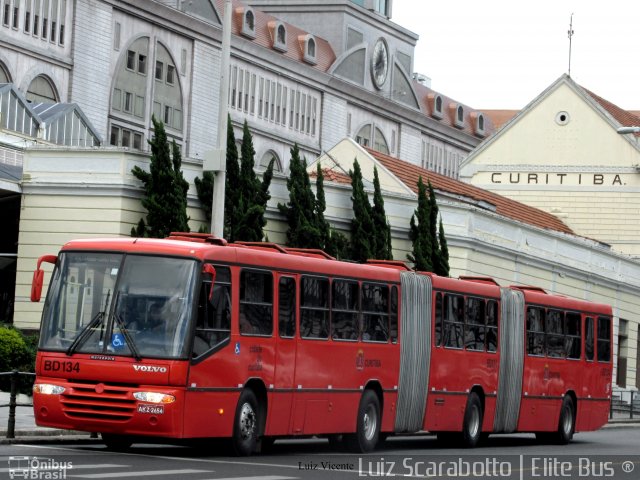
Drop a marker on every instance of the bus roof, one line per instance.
(313, 262)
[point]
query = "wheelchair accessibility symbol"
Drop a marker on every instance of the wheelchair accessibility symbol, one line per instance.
(237, 350)
(117, 341)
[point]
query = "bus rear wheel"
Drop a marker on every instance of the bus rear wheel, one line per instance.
(367, 426)
(566, 423)
(245, 425)
(472, 425)
(115, 442)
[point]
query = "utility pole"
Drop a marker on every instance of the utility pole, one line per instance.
(216, 160)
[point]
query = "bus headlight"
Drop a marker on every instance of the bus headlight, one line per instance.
(154, 397)
(47, 389)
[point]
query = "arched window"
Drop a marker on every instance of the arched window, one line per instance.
(41, 90)
(309, 49)
(133, 102)
(250, 20)
(266, 158)
(249, 23)
(370, 136)
(279, 35)
(435, 103)
(458, 119)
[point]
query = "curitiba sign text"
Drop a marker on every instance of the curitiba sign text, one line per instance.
(557, 178)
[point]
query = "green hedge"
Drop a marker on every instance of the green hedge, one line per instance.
(17, 352)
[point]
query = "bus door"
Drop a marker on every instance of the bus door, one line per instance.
(538, 409)
(280, 406)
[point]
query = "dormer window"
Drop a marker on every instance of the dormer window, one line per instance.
(478, 122)
(279, 34)
(435, 105)
(248, 22)
(309, 47)
(458, 115)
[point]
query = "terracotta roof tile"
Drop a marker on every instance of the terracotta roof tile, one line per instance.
(333, 176)
(500, 117)
(624, 117)
(409, 174)
(325, 56)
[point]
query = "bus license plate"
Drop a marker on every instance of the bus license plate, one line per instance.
(152, 409)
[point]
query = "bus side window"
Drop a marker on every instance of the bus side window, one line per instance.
(604, 339)
(375, 312)
(213, 325)
(535, 331)
(438, 327)
(572, 339)
(314, 307)
(287, 307)
(474, 314)
(492, 326)
(589, 339)
(453, 321)
(393, 317)
(344, 310)
(256, 302)
(554, 333)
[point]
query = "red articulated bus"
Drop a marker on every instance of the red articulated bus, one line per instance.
(190, 337)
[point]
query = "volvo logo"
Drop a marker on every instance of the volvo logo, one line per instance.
(150, 368)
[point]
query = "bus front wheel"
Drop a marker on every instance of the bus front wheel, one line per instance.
(367, 426)
(472, 426)
(245, 425)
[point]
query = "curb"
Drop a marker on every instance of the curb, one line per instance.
(47, 435)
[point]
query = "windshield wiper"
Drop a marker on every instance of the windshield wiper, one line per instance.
(130, 343)
(86, 331)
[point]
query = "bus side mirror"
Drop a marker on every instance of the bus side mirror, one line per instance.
(208, 269)
(38, 277)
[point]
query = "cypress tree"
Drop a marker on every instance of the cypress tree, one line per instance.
(433, 228)
(254, 194)
(204, 190)
(381, 227)
(231, 192)
(331, 241)
(300, 211)
(419, 233)
(443, 260)
(165, 188)
(321, 205)
(362, 240)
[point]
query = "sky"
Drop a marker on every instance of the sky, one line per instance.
(501, 54)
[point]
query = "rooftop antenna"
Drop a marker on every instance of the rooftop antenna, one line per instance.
(570, 33)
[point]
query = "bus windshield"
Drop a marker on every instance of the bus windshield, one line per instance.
(117, 304)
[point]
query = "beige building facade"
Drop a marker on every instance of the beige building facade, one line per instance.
(562, 154)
